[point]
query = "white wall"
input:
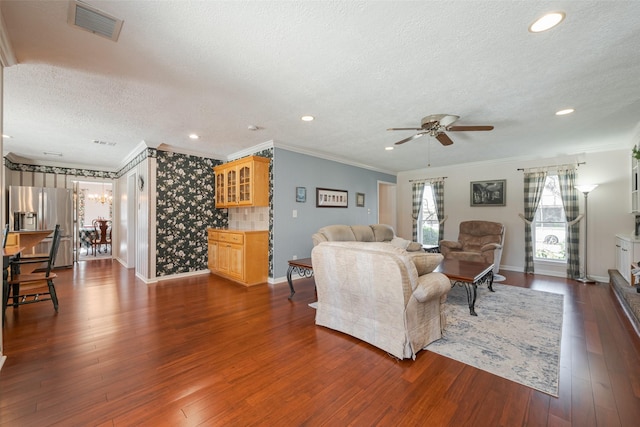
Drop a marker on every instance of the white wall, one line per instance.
(609, 205)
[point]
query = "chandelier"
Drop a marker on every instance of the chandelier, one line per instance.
(105, 197)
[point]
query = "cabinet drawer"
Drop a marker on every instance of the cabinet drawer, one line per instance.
(213, 235)
(231, 238)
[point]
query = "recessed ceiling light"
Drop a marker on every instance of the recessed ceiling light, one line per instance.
(252, 127)
(307, 118)
(194, 136)
(565, 112)
(547, 22)
(6, 136)
(52, 153)
(388, 148)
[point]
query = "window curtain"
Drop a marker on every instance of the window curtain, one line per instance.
(438, 195)
(533, 187)
(417, 188)
(569, 194)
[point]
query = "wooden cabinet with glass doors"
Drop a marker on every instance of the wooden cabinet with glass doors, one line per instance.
(243, 182)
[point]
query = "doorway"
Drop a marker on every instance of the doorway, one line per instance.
(387, 204)
(94, 201)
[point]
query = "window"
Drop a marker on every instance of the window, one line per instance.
(428, 218)
(550, 225)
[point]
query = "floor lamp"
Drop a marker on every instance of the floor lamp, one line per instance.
(585, 189)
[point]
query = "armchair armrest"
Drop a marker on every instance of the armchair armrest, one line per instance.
(450, 244)
(490, 247)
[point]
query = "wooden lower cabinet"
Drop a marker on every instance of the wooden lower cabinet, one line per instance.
(242, 256)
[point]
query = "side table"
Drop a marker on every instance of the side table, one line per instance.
(301, 266)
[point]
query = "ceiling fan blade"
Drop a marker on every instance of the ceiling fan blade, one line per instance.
(404, 129)
(418, 135)
(444, 139)
(462, 128)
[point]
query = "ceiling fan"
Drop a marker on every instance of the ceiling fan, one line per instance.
(435, 125)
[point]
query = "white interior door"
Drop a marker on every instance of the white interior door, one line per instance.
(387, 204)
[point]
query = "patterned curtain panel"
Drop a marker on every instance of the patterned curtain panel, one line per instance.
(438, 195)
(82, 196)
(417, 188)
(569, 194)
(533, 187)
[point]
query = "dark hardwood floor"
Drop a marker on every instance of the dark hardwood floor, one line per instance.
(204, 351)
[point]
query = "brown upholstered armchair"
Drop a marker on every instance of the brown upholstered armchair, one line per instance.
(479, 241)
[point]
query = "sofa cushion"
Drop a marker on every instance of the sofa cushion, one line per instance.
(399, 242)
(425, 262)
(338, 233)
(414, 246)
(383, 232)
(363, 233)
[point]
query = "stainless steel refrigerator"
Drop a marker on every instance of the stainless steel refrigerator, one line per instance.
(41, 208)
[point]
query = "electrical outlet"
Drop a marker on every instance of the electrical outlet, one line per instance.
(295, 257)
(295, 213)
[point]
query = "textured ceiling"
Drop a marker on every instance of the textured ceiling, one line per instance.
(215, 68)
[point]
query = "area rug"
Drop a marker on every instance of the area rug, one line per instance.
(516, 334)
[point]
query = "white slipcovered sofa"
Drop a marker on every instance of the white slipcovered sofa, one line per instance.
(381, 294)
(363, 233)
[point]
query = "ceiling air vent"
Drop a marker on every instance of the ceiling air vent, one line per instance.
(88, 18)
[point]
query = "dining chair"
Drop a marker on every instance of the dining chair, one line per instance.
(108, 238)
(95, 237)
(36, 286)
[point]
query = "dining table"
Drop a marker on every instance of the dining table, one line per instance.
(27, 240)
(86, 235)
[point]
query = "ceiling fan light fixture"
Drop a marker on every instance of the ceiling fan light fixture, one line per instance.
(565, 112)
(546, 22)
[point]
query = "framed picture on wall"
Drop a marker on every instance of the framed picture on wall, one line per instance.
(489, 193)
(360, 200)
(301, 194)
(328, 198)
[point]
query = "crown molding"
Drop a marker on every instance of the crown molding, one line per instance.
(14, 158)
(249, 151)
(7, 58)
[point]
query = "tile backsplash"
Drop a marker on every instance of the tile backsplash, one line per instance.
(249, 218)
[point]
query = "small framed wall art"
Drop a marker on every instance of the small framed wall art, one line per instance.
(328, 198)
(301, 194)
(489, 193)
(360, 200)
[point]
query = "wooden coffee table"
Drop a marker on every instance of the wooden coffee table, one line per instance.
(468, 274)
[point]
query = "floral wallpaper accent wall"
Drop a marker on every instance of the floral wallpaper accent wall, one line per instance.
(185, 207)
(268, 153)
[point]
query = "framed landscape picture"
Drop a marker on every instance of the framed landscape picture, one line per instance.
(328, 198)
(489, 193)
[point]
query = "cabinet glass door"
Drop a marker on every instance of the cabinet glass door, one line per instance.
(231, 187)
(244, 185)
(220, 189)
